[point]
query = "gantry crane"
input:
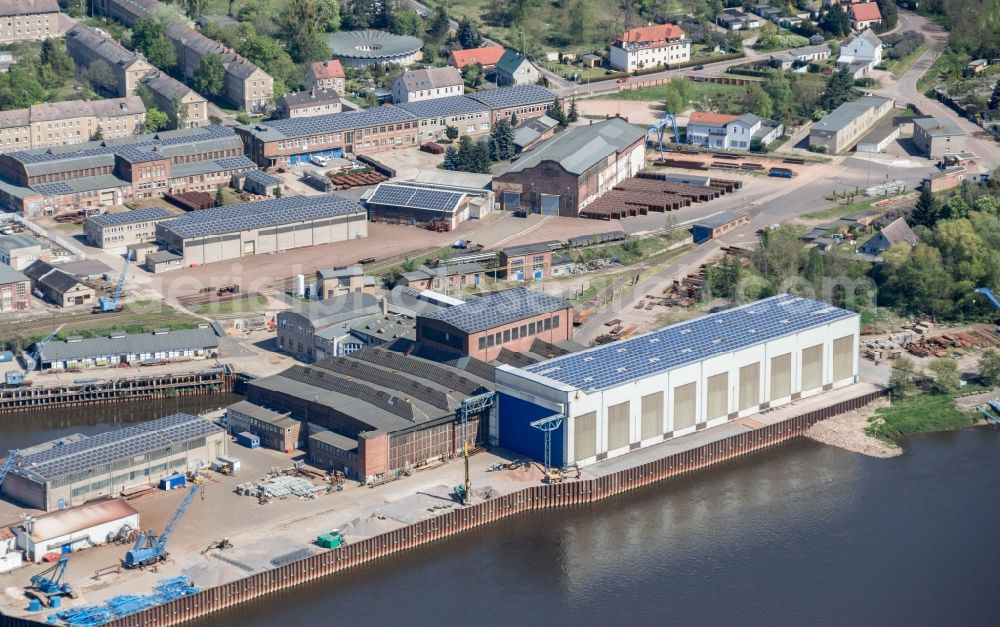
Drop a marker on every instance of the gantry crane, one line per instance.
(8, 463)
(150, 548)
(547, 426)
(660, 125)
(16, 377)
(472, 405)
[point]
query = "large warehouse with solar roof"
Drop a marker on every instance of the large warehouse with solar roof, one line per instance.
(234, 231)
(702, 373)
(70, 471)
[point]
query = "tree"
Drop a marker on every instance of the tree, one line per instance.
(513, 120)
(468, 34)
(732, 42)
(156, 120)
(19, 87)
(889, 13)
(209, 76)
(946, 378)
(902, 381)
(440, 23)
(759, 102)
(581, 21)
(179, 110)
(220, 198)
(573, 114)
(927, 210)
(451, 159)
(836, 21)
(451, 132)
(987, 204)
(473, 74)
(300, 25)
(989, 367)
(839, 90)
(556, 113)
(768, 37)
(407, 22)
(149, 38)
(501, 144)
(54, 55)
(995, 97)
(98, 134)
(194, 8)
(277, 191)
(100, 75)
(955, 208)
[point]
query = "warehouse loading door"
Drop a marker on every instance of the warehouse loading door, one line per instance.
(550, 204)
(749, 386)
(812, 367)
(718, 396)
(585, 436)
(843, 358)
(511, 201)
(781, 376)
(249, 248)
(108, 197)
(684, 406)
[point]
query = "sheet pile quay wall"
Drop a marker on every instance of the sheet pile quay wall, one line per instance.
(457, 521)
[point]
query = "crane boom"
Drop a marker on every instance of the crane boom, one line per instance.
(161, 542)
(150, 548)
(104, 304)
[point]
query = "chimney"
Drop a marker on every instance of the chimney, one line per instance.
(384, 301)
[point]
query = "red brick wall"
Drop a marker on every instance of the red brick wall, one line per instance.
(373, 454)
(554, 334)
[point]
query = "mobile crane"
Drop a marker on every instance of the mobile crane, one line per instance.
(51, 583)
(107, 305)
(15, 378)
(150, 548)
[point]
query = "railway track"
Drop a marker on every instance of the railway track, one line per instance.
(146, 316)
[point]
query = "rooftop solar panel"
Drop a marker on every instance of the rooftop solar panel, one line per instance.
(443, 107)
(689, 342)
(261, 214)
(58, 187)
(415, 197)
(488, 312)
(131, 217)
(116, 445)
(333, 122)
(514, 96)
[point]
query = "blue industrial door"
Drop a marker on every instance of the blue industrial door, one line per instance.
(538, 274)
(517, 434)
(550, 205)
(519, 275)
(293, 159)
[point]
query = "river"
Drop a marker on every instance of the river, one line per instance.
(802, 534)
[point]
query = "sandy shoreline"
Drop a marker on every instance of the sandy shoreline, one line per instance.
(847, 431)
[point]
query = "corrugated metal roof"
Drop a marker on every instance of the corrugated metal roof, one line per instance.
(579, 148)
(66, 521)
(200, 338)
(130, 217)
(848, 112)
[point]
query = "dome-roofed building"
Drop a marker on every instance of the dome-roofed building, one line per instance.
(361, 48)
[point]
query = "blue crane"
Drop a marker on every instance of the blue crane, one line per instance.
(51, 583)
(16, 377)
(105, 304)
(8, 463)
(660, 126)
(150, 548)
(985, 291)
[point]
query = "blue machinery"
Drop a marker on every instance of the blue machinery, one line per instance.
(150, 548)
(547, 426)
(985, 291)
(51, 583)
(471, 405)
(660, 126)
(991, 418)
(16, 377)
(125, 604)
(105, 305)
(8, 463)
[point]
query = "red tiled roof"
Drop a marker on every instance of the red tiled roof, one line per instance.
(702, 117)
(488, 55)
(865, 12)
(656, 32)
(328, 69)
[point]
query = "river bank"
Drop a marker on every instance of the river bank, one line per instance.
(847, 431)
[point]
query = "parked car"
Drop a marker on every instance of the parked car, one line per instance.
(698, 67)
(622, 80)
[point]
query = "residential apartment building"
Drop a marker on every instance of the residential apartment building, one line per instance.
(649, 46)
(428, 83)
(304, 104)
(70, 122)
(731, 132)
(185, 107)
(88, 45)
(451, 277)
(326, 75)
(28, 20)
(839, 130)
(335, 282)
(15, 290)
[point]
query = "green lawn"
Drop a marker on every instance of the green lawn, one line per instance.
(240, 306)
(918, 414)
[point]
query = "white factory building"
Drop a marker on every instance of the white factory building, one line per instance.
(71, 530)
(679, 379)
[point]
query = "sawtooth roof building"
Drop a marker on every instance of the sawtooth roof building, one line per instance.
(679, 379)
(70, 471)
(573, 169)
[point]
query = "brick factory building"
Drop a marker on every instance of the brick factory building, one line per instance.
(568, 172)
(275, 429)
(113, 232)
(113, 171)
(376, 411)
(528, 262)
(15, 290)
(482, 326)
(266, 226)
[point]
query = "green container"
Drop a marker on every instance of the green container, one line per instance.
(329, 541)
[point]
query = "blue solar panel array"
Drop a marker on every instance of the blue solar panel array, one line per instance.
(443, 107)
(57, 187)
(689, 342)
(489, 312)
(258, 215)
(131, 217)
(117, 445)
(234, 163)
(343, 121)
(513, 96)
(415, 197)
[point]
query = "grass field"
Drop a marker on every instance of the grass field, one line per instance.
(252, 304)
(919, 414)
(700, 91)
(899, 66)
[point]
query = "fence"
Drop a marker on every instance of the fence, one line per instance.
(457, 521)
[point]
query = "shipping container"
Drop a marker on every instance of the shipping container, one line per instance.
(248, 439)
(172, 482)
(781, 172)
(230, 462)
